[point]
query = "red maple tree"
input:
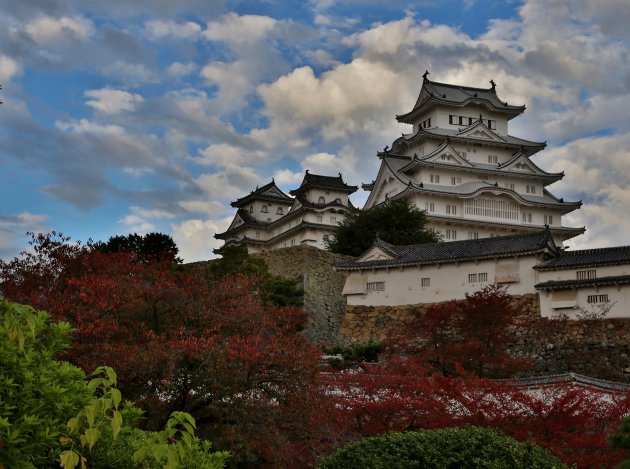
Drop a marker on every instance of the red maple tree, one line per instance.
(189, 341)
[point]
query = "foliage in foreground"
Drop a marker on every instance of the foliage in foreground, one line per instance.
(187, 341)
(50, 415)
(396, 221)
(464, 448)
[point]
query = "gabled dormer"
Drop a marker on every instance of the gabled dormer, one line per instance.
(380, 251)
(323, 190)
(479, 129)
(265, 204)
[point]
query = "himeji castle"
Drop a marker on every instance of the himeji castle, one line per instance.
(461, 165)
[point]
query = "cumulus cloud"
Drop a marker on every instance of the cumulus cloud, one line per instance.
(195, 238)
(239, 30)
(85, 126)
(8, 68)
(46, 29)
(158, 29)
(142, 221)
(13, 229)
(112, 101)
(179, 69)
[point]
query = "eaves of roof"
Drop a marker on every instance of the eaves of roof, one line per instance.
(438, 93)
(592, 282)
(616, 255)
(549, 178)
(460, 251)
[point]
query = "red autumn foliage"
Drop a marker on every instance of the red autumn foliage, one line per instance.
(473, 334)
(186, 341)
(570, 422)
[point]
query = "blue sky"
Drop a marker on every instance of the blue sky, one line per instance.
(153, 115)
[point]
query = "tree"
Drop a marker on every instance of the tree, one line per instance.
(473, 333)
(464, 448)
(50, 414)
(397, 221)
(570, 422)
(187, 341)
(150, 247)
(38, 393)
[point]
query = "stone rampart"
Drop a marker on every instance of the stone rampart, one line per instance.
(322, 285)
(598, 348)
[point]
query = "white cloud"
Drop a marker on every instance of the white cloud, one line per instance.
(46, 29)
(12, 229)
(158, 29)
(8, 68)
(141, 220)
(112, 101)
(195, 238)
(239, 30)
(178, 69)
(85, 126)
(286, 177)
(131, 73)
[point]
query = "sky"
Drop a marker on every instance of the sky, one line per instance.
(152, 115)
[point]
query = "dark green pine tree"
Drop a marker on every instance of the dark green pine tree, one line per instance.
(397, 222)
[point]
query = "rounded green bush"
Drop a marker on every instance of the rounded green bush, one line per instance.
(460, 448)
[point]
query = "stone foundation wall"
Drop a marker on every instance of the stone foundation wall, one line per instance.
(597, 348)
(322, 285)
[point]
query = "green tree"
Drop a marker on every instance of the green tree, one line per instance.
(38, 394)
(463, 448)
(151, 246)
(50, 415)
(396, 221)
(274, 289)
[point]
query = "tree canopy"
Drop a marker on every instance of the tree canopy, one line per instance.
(396, 221)
(151, 246)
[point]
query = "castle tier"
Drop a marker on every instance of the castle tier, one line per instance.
(460, 164)
(269, 219)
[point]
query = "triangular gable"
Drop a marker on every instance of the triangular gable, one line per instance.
(479, 130)
(275, 192)
(375, 254)
(446, 154)
(520, 163)
(237, 221)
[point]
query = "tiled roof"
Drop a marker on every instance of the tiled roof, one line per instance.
(324, 182)
(454, 251)
(486, 168)
(566, 378)
(260, 194)
(248, 220)
(457, 95)
(588, 257)
(591, 282)
(453, 134)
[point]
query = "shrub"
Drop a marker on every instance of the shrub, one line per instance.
(462, 448)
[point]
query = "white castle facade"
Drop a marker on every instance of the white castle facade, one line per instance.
(481, 192)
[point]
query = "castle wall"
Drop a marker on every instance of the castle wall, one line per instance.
(597, 348)
(323, 300)
(440, 282)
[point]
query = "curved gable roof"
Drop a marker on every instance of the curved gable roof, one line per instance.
(433, 92)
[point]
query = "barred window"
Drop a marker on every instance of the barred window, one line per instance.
(425, 282)
(492, 208)
(376, 286)
(472, 278)
(483, 276)
(597, 298)
(586, 274)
